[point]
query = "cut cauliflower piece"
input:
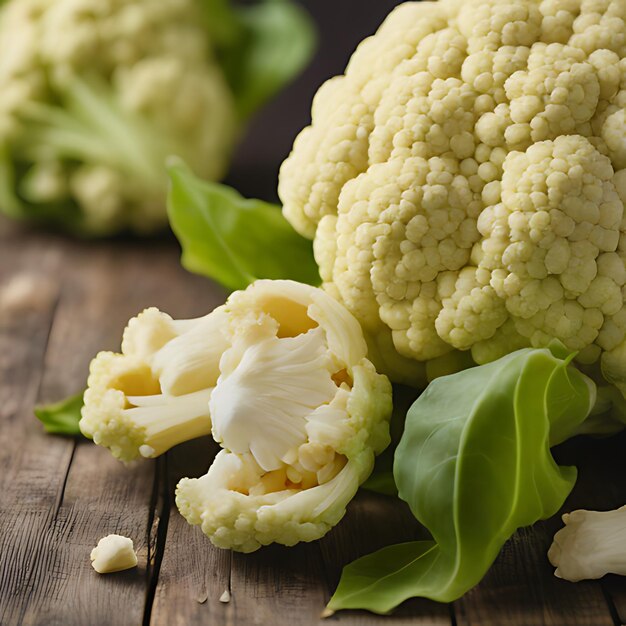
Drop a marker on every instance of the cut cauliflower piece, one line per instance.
(300, 412)
(590, 545)
(463, 183)
(271, 387)
(114, 553)
(155, 394)
(280, 376)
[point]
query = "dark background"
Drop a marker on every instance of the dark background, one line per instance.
(341, 25)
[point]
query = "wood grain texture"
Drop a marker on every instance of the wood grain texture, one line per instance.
(104, 285)
(58, 498)
(33, 471)
(193, 574)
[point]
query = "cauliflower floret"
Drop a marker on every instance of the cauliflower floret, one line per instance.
(155, 394)
(467, 192)
(242, 508)
(590, 545)
(114, 553)
(280, 376)
(102, 106)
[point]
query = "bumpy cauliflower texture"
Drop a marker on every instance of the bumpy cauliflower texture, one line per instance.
(95, 95)
(464, 182)
(281, 378)
(155, 394)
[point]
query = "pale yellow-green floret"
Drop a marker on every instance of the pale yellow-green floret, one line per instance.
(96, 94)
(145, 400)
(280, 377)
(464, 183)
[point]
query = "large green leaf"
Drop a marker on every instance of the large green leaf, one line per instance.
(261, 46)
(474, 464)
(231, 239)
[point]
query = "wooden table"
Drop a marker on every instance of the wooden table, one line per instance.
(59, 496)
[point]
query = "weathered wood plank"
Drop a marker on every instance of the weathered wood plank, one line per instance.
(100, 496)
(521, 590)
(129, 280)
(56, 503)
(193, 573)
(278, 585)
(33, 476)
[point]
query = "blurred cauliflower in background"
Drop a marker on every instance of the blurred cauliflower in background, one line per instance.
(464, 182)
(96, 94)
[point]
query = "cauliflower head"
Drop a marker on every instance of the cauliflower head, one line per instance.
(464, 183)
(280, 377)
(96, 95)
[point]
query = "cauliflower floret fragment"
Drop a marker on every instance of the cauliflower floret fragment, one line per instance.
(280, 376)
(590, 545)
(155, 394)
(556, 215)
(114, 553)
(471, 197)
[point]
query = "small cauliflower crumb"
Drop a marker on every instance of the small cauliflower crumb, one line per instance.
(225, 597)
(591, 544)
(113, 553)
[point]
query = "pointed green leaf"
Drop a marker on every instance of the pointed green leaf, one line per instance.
(231, 239)
(474, 464)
